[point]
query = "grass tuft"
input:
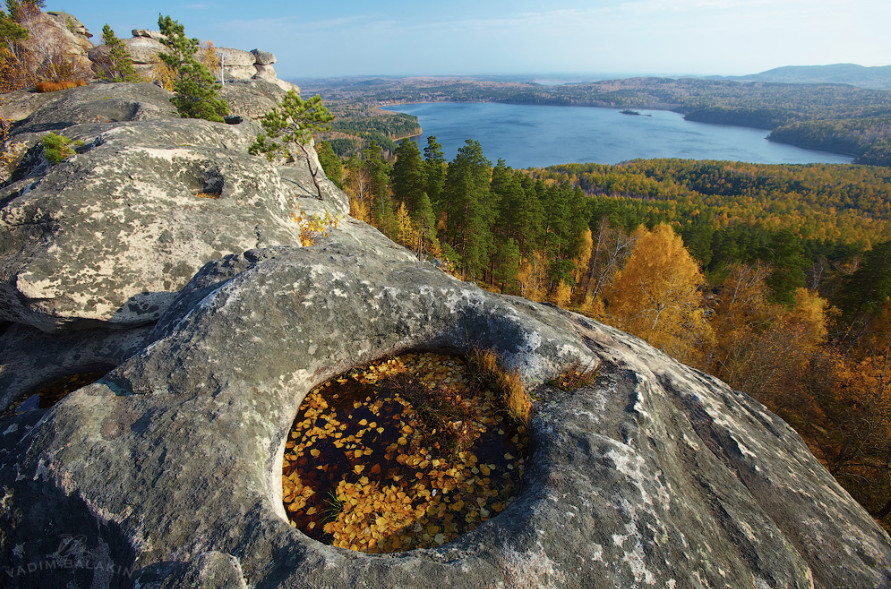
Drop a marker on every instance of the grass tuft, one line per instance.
(484, 366)
(576, 376)
(56, 86)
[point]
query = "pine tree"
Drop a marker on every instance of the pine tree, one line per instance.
(425, 226)
(468, 205)
(785, 254)
(120, 65)
(196, 91)
(407, 175)
(295, 121)
(434, 172)
(331, 163)
(507, 265)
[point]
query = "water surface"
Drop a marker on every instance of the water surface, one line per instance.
(537, 136)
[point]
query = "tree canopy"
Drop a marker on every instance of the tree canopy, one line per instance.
(196, 91)
(291, 124)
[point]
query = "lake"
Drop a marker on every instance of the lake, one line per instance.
(537, 136)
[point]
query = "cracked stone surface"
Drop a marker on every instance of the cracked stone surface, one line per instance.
(167, 472)
(113, 232)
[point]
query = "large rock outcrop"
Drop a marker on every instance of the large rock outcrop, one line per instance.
(237, 64)
(57, 44)
(167, 472)
(113, 232)
(102, 242)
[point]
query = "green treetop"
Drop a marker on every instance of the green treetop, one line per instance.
(10, 30)
(21, 9)
(293, 123)
(434, 170)
(407, 175)
(196, 91)
(120, 64)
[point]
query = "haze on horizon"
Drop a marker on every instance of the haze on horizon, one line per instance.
(509, 37)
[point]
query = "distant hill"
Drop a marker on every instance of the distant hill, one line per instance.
(878, 77)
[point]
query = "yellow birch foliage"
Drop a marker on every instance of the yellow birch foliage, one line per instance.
(808, 317)
(657, 296)
(532, 277)
(593, 306)
(161, 73)
(406, 236)
(207, 56)
(878, 340)
(586, 250)
(562, 295)
(760, 347)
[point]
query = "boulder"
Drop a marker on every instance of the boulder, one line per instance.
(73, 26)
(237, 58)
(112, 233)
(265, 72)
(251, 98)
(237, 64)
(147, 34)
(144, 52)
(168, 470)
(263, 57)
(54, 38)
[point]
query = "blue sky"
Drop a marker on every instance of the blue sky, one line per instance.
(416, 37)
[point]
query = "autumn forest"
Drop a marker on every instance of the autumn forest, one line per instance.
(775, 278)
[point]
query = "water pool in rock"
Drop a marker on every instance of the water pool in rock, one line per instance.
(49, 394)
(408, 452)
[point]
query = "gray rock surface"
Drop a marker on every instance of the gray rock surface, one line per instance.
(144, 51)
(654, 475)
(57, 37)
(167, 472)
(251, 99)
(20, 104)
(237, 58)
(266, 72)
(147, 34)
(239, 65)
(263, 57)
(71, 24)
(112, 234)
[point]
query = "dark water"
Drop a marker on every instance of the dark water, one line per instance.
(538, 136)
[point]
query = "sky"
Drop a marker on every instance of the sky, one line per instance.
(329, 38)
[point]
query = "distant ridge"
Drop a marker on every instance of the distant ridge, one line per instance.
(876, 77)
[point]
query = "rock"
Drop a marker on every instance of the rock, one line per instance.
(98, 103)
(74, 26)
(144, 52)
(20, 104)
(266, 72)
(147, 34)
(57, 37)
(237, 64)
(111, 234)
(145, 46)
(167, 471)
(251, 98)
(263, 57)
(653, 475)
(237, 58)
(32, 358)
